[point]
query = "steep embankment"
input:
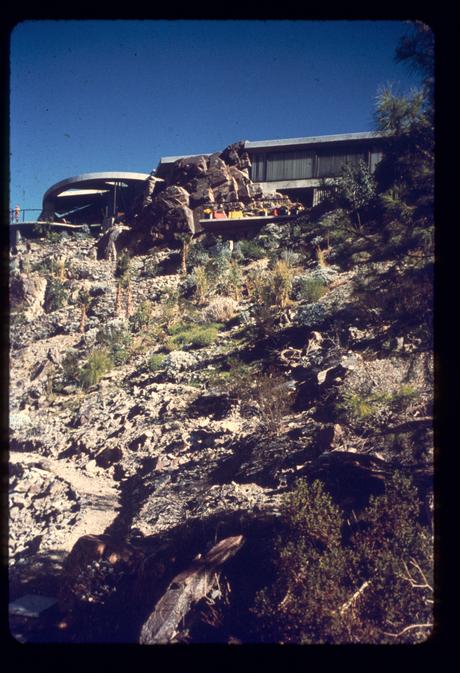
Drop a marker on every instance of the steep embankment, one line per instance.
(183, 436)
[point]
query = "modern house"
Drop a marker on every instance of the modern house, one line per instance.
(298, 166)
(91, 197)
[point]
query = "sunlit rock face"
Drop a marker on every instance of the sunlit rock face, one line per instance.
(173, 206)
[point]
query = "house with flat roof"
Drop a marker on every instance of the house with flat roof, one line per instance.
(298, 167)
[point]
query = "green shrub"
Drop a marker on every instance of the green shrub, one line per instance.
(155, 362)
(249, 250)
(235, 380)
(309, 290)
(142, 318)
(71, 367)
(371, 586)
(230, 282)
(98, 363)
(195, 336)
(364, 407)
(56, 295)
(117, 341)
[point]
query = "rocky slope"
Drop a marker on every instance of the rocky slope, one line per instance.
(166, 459)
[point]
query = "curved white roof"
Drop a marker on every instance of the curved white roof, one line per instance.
(93, 181)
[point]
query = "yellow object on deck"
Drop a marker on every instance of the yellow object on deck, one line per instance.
(235, 214)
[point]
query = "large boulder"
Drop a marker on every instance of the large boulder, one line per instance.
(94, 568)
(27, 291)
(195, 183)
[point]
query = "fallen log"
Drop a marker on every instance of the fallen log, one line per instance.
(185, 590)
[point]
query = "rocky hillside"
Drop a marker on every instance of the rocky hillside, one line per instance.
(160, 419)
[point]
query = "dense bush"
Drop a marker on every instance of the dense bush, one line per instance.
(142, 319)
(248, 250)
(56, 295)
(335, 583)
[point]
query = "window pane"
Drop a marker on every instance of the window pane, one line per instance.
(289, 165)
(258, 168)
(331, 164)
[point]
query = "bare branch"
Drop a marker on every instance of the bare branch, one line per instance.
(352, 600)
(412, 580)
(408, 628)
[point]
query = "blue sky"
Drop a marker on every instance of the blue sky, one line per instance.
(92, 96)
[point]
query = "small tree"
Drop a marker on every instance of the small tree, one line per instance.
(356, 189)
(84, 300)
(123, 276)
(186, 238)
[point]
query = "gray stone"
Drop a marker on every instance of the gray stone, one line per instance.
(31, 605)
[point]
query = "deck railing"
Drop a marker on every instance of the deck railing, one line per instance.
(23, 215)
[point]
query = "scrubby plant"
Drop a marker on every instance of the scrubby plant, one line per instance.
(248, 250)
(84, 302)
(155, 362)
(281, 283)
(142, 318)
(201, 281)
(56, 295)
(169, 310)
(274, 399)
(312, 315)
(371, 584)
(234, 378)
(185, 237)
(198, 255)
(192, 335)
(230, 283)
(151, 266)
(290, 257)
(116, 339)
(220, 309)
(309, 289)
(71, 367)
(99, 362)
(375, 408)
(123, 276)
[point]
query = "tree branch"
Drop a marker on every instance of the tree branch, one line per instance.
(408, 628)
(352, 600)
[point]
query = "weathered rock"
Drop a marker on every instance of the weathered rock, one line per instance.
(96, 562)
(170, 198)
(187, 589)
(28, 292)
(235, 155)
(112, 242)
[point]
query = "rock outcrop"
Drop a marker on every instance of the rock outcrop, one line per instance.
(172, 207)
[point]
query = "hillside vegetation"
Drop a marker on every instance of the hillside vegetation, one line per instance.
(276, 395)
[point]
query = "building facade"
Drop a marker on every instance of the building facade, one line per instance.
(298, 167)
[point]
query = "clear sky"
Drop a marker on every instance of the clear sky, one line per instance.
(90, 96)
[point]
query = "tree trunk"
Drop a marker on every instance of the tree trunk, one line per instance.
(118, 300)
(83, 318)
(129, 298)
(185, 249)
